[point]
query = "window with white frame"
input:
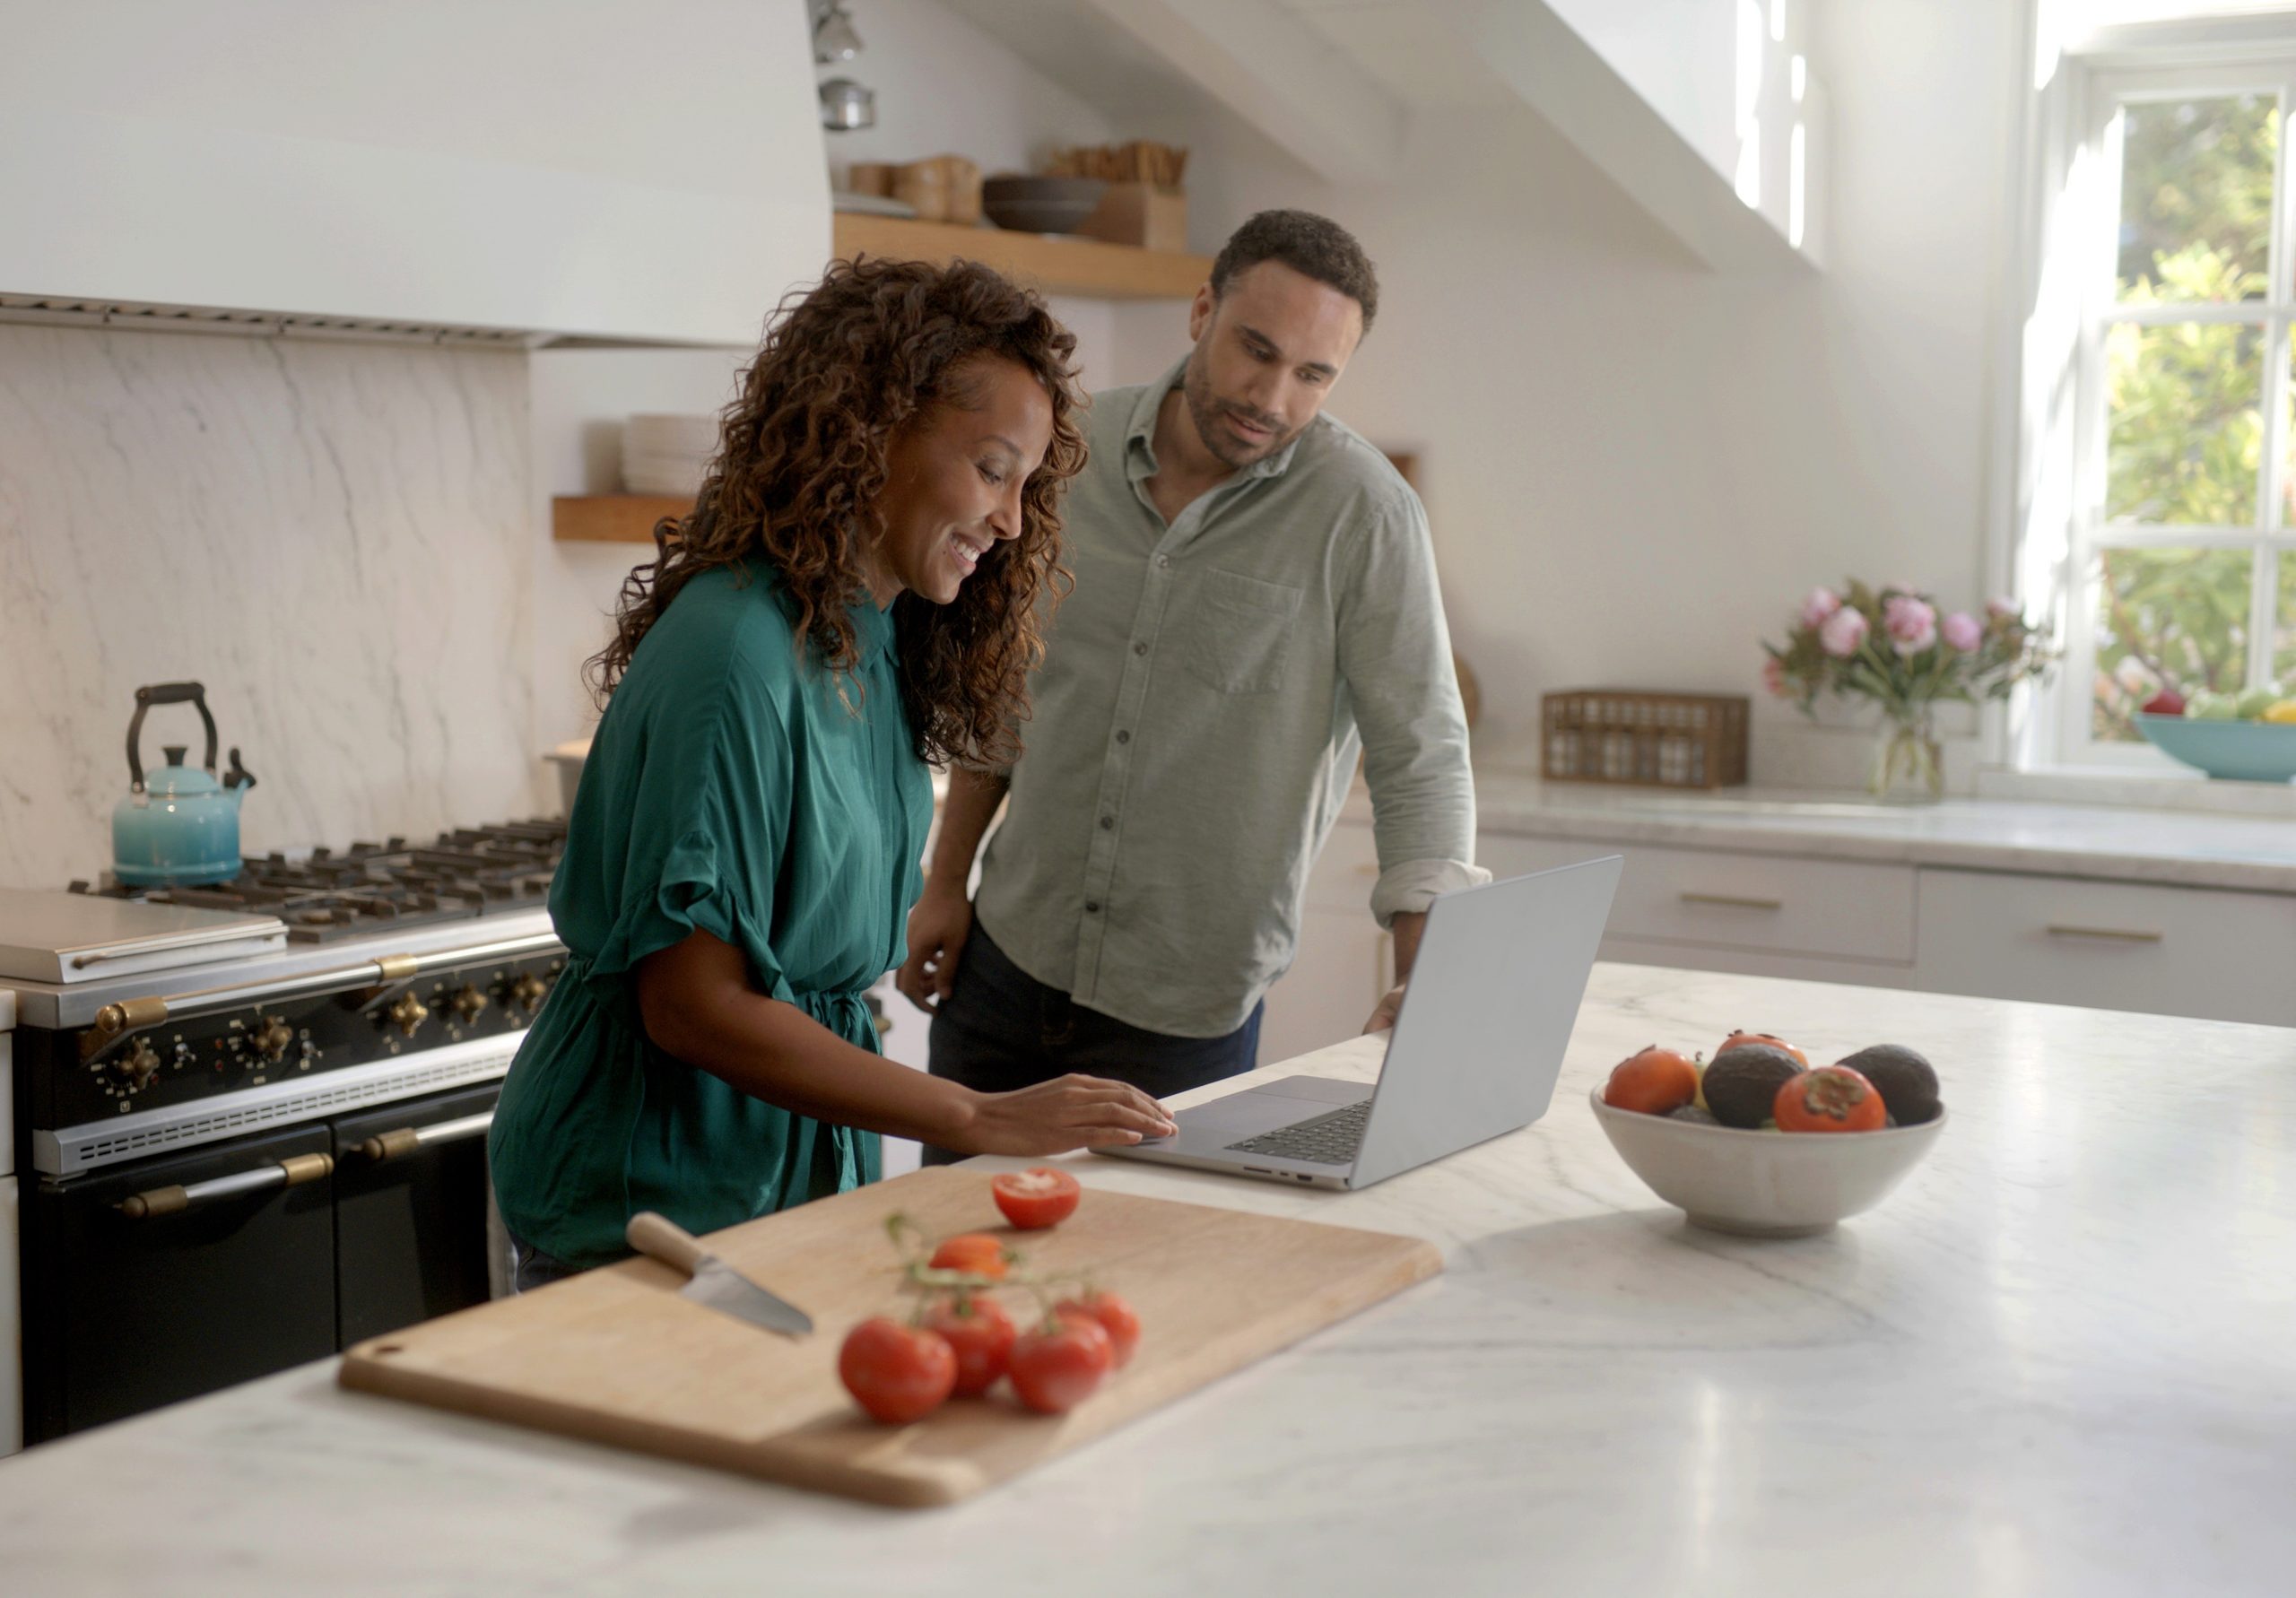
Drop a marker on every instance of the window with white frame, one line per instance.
(2178, 564)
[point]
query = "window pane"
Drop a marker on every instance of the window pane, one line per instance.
(2187, 424)
(2195, 198)
(2283, 643)
(2173, 618)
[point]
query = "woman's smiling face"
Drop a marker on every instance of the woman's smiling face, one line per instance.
(953, 480)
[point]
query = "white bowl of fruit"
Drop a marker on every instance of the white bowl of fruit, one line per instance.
(1760, 1143)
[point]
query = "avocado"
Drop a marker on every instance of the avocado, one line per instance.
(1906, 1081)
(1693, 1115)
(1742, 1081)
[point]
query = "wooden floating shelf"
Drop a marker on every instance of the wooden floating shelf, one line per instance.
(1054, 262)
(612, 518)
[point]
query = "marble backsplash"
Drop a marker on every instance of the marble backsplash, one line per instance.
(335, 537)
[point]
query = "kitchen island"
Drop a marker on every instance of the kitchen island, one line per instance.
(2057, 1359)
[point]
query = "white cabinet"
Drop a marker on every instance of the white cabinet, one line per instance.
(2109, 945)
(1343, 960)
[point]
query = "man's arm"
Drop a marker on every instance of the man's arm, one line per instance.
(941, 918)
(1395, 650)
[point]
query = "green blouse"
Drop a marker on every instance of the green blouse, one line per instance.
(728, 790)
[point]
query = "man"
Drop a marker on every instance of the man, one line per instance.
(1254, 584)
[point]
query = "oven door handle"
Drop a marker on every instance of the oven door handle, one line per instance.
(405, 1140)
(291, 1172)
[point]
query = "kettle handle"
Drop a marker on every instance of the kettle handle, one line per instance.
(166, 693)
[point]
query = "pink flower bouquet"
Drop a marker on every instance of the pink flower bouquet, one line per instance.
(1893, 645)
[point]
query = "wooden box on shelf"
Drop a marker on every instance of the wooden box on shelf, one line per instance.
(612, 518)
(1147, 214)
(1647, 740)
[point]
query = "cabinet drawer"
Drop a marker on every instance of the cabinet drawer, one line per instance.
(1837, 908)
(2109, 945)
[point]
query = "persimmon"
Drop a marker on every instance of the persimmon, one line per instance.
(1653, 1082)
(1831, 1099)
(1776, 1042)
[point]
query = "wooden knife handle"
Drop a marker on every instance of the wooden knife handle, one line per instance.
(657, 1237)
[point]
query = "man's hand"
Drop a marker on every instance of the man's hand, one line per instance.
(938, 925)
(1389, 1008)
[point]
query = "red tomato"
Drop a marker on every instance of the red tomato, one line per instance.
(1653, 1082)
(897, 1373)
(1037, 1197)
(1831, 1099)
(1118, 1318)
(976, 1251)
(979, 1334)
(1056, 1369)
(1735, 1039)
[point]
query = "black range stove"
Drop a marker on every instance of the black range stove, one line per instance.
(234, 1166)
(371, 887)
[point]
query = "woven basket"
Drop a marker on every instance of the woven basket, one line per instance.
(1643, 740)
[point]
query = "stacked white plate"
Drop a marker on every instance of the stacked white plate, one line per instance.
(667, 455)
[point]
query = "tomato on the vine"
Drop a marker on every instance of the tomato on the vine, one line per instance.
(1056, 1366)
(1118, 1318)
(1040, 1196)
(975, 1253)
(979, 1334)
(897, 1373)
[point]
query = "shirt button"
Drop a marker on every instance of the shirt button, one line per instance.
(1124, 737)
(1163, 560)
(1140, 648)
(1092, 906)
(1107, 823)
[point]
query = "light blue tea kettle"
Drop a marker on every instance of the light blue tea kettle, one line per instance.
(180, 826)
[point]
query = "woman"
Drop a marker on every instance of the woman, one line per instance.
(855, 594)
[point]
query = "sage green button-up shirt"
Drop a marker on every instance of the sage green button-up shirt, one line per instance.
(1194, 725)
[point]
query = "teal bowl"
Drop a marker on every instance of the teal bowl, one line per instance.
(2241, 750)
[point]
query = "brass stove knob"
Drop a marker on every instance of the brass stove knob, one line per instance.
(468, 1004)
(407, 1012)
(273, 1038)
(526, 992)
(138, 1066)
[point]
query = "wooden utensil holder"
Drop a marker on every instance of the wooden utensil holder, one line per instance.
(1632, 738)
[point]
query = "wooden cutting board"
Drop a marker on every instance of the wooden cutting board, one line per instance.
(616, 1356)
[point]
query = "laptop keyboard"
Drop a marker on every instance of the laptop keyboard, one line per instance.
(1320, 1140)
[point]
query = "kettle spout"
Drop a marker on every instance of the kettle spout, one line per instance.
(238, 780)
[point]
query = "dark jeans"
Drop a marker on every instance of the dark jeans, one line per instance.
(531, 1268)
(1000, 1029)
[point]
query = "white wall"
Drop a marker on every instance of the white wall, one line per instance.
(1635, 466)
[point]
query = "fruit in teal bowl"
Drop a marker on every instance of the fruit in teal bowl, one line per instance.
(2240, 750)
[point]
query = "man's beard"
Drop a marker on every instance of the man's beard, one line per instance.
(1208, 412)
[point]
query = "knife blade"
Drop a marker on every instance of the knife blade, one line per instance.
(713, 1282)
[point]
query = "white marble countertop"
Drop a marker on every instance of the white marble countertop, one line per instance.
(2189, 848)
(2056, 1361)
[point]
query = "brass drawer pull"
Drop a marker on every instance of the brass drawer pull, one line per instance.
(405, 1140)
(2110, 934)
(291, 1172)
(1738, 901)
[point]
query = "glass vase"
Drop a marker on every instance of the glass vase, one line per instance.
(1908, 767)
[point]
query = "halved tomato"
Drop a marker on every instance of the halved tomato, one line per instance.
(1040, 1196)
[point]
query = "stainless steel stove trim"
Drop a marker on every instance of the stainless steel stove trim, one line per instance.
(93, 1144)
(59, 1006)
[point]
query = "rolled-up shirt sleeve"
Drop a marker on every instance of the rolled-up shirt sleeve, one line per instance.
(1395, 653)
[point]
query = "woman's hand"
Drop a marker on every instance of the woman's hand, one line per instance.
(939, 923)
(1065, 1113)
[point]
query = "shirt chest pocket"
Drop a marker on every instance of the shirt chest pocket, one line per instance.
(1241, 631)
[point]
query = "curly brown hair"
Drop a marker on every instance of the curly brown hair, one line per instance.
(801, 464)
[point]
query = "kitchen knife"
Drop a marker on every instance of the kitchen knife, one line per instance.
(715, 1283)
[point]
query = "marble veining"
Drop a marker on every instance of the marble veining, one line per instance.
(335, 537)
(2055, 1361)
(2194, 850)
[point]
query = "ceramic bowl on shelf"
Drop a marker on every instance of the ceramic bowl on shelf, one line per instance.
(2239, 751)
(1041, 204)
(1764, 1184)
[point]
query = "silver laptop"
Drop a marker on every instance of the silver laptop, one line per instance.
(1493, 995)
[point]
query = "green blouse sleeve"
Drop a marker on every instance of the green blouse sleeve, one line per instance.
(686, 830)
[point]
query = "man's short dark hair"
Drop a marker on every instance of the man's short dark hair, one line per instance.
(1312, 245)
